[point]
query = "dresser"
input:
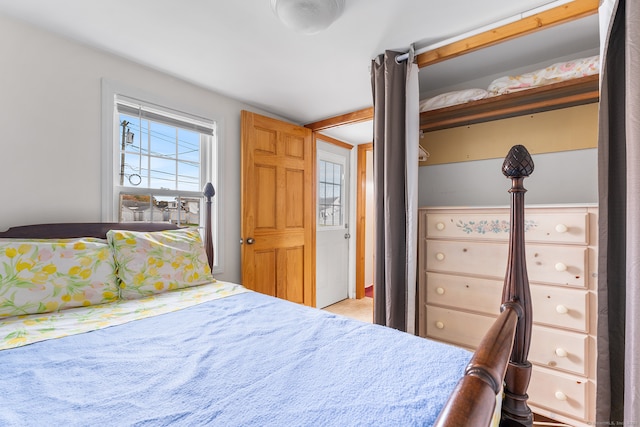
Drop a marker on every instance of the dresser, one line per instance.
(462, 260)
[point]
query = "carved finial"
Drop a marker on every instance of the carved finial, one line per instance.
(209, 191)
(518, 163)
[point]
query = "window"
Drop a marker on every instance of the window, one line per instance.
(330, 193)
(156, 161)
(163, 163)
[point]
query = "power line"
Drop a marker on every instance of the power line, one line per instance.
(165, 137)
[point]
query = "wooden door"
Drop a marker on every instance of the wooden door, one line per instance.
(277, 207)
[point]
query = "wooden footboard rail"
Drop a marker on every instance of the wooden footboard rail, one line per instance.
(473, 401)
(500, 362)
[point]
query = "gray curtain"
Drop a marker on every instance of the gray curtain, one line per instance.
(395, 170)
(618, 382)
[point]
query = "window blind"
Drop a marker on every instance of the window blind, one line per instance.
(163, 115)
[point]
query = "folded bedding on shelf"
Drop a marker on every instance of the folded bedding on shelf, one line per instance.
(557, 72)
(554, 73)
(453, 98)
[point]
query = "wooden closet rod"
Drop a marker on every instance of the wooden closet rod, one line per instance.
(558, 15)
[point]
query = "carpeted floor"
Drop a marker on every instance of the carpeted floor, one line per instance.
(361, 309)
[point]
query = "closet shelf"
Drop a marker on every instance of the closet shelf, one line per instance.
(563, 94)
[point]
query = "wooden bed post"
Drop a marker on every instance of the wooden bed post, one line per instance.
(502, 352)
(515, 411)
(209, 192)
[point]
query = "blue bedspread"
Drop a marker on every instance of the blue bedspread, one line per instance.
(244, 360)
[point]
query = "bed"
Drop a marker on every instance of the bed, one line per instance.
(123, 324)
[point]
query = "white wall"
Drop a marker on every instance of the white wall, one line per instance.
(50, 129)
(558, 178)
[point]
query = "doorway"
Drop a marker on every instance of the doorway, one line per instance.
(365, 227)
(357, 129)
(332, 223)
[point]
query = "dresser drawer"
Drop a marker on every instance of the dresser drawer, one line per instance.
(570, 227)
(553, 348)
(558, 349)
(552, 305)
(457, 327)
(563, 307)
(558, 392)
(467, 293)
(563, 265)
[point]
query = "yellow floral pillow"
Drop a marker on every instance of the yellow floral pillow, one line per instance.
(153, 262)
(39, 276)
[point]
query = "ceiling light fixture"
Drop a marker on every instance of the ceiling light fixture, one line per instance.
(307, 16)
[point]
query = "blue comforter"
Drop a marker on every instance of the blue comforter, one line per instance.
(244, 360)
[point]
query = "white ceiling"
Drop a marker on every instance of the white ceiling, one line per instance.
(239, 49)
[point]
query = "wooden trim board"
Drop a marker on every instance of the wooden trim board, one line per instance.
(527, 25)
(567, 129)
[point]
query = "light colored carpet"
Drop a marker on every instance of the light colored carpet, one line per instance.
(360, 309)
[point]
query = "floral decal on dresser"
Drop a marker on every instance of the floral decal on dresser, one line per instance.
(491, 226)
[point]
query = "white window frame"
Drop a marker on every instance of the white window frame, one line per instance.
(110, 151)
(344, 197)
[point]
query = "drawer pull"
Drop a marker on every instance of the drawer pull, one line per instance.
(439, 325)
(440, 256)
(561, 396)
(440, 291)
(440, 226)
(561, 267)
(561, 309)
(561, 352)
(561, 228)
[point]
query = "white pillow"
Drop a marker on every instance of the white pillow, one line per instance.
(453, 98)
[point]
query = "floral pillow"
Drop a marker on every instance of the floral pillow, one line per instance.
(557, 72)
(153, 262)
(46, 275)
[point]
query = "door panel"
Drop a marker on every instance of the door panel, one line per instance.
(265, 140)
(294, 147)
(278, 226)
(294, 274)
(265, 263)
(264, 185)
(294, 196)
